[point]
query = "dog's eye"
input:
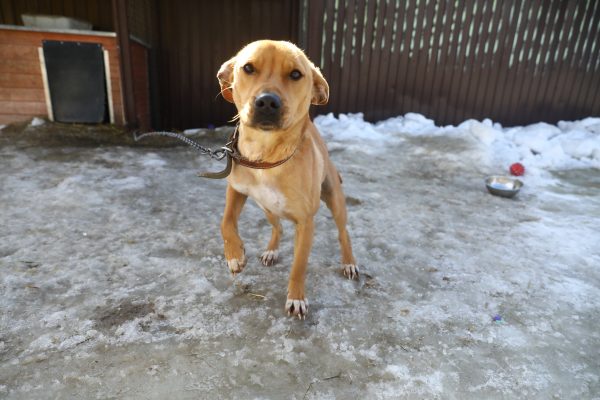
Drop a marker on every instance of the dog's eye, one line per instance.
(295, 75)
(248, 68)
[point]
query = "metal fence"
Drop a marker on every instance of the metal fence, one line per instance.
(195, 38)
(515, 61)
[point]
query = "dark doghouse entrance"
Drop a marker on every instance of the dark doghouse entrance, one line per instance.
(76, 81)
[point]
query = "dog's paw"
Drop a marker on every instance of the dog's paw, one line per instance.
(297, 308)
(350, 271)
(236, 265)
(269, 257)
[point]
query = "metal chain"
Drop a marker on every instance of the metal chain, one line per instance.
(216, 154)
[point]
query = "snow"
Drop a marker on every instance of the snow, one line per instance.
(540, 147)
(193, 131)
(113, 283)
(37, 121)
(200, 132)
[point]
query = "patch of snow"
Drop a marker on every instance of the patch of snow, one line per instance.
(55, 320)
(152, 160)
(128, 183)
(113, 270)
(539, 147)
(398, 371)
(194, 131)
(45, 342)
(37, 121)
(131, 331)
(352, 132)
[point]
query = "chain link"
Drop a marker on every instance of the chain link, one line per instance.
(215, 154)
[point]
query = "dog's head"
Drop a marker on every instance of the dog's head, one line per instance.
(272, 84)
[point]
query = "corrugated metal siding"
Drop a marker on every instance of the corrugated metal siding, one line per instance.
(515, 61)
(195, 37)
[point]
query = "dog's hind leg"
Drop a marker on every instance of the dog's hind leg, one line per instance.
(270, 256)
(234, 247)
(333, 195)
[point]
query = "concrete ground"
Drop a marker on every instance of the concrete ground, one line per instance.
(113, 284)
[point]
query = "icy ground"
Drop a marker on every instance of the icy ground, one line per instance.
(113, 284)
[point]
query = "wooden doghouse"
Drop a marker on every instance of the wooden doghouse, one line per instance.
(24, 87)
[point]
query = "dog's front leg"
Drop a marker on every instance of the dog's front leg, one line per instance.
(296, 303)
(234, 247)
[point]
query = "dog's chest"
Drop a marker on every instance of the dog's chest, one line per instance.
(267, 196)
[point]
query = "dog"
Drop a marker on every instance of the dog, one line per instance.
(287, 170)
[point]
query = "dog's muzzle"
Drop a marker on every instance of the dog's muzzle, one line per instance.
(267, 111)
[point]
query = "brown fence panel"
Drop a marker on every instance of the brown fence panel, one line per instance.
(515, 61)
(195, 37)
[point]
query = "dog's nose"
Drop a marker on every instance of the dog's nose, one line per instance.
(268, 111)
(267, 102)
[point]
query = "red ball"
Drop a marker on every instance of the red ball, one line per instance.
(517, 169)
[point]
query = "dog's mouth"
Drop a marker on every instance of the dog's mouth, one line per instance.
(266, 121)
(266, 125)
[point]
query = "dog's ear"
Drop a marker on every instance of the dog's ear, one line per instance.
(320, 91)
(225, 77)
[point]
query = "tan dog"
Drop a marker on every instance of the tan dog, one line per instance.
(273, 85)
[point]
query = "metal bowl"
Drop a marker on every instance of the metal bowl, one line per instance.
(503, 186)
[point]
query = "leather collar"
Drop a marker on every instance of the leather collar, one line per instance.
(240, 159)
(233, 154)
